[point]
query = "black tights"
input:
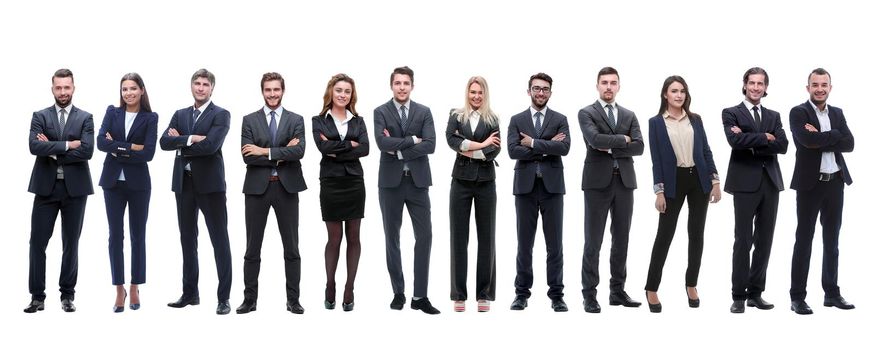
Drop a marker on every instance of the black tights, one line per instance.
(332, 256)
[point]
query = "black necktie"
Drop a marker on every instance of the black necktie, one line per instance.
(757, 117)
(403, 117)
(537, 125)
(273, 128)
(611, 117)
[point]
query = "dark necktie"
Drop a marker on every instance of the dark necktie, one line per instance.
(272, 128)
(403, 117)
(610, 117)
(62, 119)
(537, 126)
(757, 117)
(194, 117)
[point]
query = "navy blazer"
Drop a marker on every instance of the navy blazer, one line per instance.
(419, 123)
(205, 157)
(119, 156)
(467, 168)
(286, 160)
(664, 160)
(545, 152)
(750, 149)
(345, 157)
(77, 176)
(810, 145)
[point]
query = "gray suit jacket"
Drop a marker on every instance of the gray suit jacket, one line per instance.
(77, 174)
(421, 124)
(286, 160)
(597, 133)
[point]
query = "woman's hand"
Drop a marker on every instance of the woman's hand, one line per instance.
(715, 194)
(660, 204)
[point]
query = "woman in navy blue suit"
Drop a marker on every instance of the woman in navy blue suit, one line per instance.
(127, 135)
(682, 168)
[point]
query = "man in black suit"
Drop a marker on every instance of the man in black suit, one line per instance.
(612, 136)
(821, 135)
(537, 139)
(273, 143)
(62, 139)
(405, 136)
(756, 136)
(196, 134)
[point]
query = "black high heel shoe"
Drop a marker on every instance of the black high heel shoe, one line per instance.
(654, 308)
(137, 305)
(117, 308)
(330, 298)
(693, 303)
(348, 295)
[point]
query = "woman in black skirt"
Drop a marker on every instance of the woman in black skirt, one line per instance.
(341, 136)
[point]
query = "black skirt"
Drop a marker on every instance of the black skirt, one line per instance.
(342, 198)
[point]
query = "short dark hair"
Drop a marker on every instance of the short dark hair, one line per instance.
(606, 71)
(751, 71)
(401, 70)
(542, 76)
(270, 76)
(203, 73)
(62, 73)
(819, 71)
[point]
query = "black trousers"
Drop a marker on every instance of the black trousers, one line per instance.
(618, 201)
(825, 200)
(418, 202)
(42, 223)
(285, 208)
(688, 187)
(755, 216)
(215, 213)
(482, 196)
(551, 207)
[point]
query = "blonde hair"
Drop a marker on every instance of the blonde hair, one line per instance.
(463, 114)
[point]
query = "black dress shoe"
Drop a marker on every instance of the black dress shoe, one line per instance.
(622, 298)
(425, 305)
(247, 306)
(294, 306)
(759, 303)
(34, 306)
(800, 307)
(737, 307)
(558, 305)
(520, 303)
(591, 305)
(185, 301)
(67, 305)
(223, 308)
(839, 302)
(398, 302)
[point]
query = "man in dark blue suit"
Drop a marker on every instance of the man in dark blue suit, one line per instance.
(196, 134)
(756, 136)
(538, 138)
(405, 136)
(62, 139)
(821, 135)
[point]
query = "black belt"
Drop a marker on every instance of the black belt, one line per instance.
(273, 178)
(615, 171)
(825, 177)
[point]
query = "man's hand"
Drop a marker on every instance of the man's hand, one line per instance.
(770, 137)
(252, 150)
(810, 127)
(42, 137)
(559, 137)
(108, 136)
(197, 138)
(527, 141)
(74, 144)
(735, 129)
(293, 142)
(172, 132)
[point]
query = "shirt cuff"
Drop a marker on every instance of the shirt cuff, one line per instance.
(465, 145)
(400, 155)
(479, 155)
(658, 188)
(269, 156)
(188, 143)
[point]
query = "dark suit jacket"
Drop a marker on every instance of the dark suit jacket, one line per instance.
(119, 156)
(750, 149)
(205, 157)
(286, 160)
(664, 160)
(810, 145)
(419, 123)
(548, 153)
(345, 160)
(77, 175)
(597, 133)
(467, 168)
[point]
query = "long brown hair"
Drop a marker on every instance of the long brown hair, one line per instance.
(144, 99)
(664, 104)
(329, 94)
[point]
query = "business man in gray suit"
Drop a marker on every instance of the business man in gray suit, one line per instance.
(538, 137)
(272, 145)
(405, 136)
(62, 139)
(612, 136)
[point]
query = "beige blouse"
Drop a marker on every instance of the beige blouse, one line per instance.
(682, 137)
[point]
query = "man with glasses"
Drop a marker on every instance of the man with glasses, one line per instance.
(538, 137)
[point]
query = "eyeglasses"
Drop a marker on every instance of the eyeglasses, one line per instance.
(536, 89)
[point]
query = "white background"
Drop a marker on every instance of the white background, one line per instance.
(710, 44)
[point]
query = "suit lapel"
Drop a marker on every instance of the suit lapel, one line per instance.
(600, 111)
(547, 118)
(811, 116)
(205, 115)
(138, 122)
(413, 111)
(742, 109)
